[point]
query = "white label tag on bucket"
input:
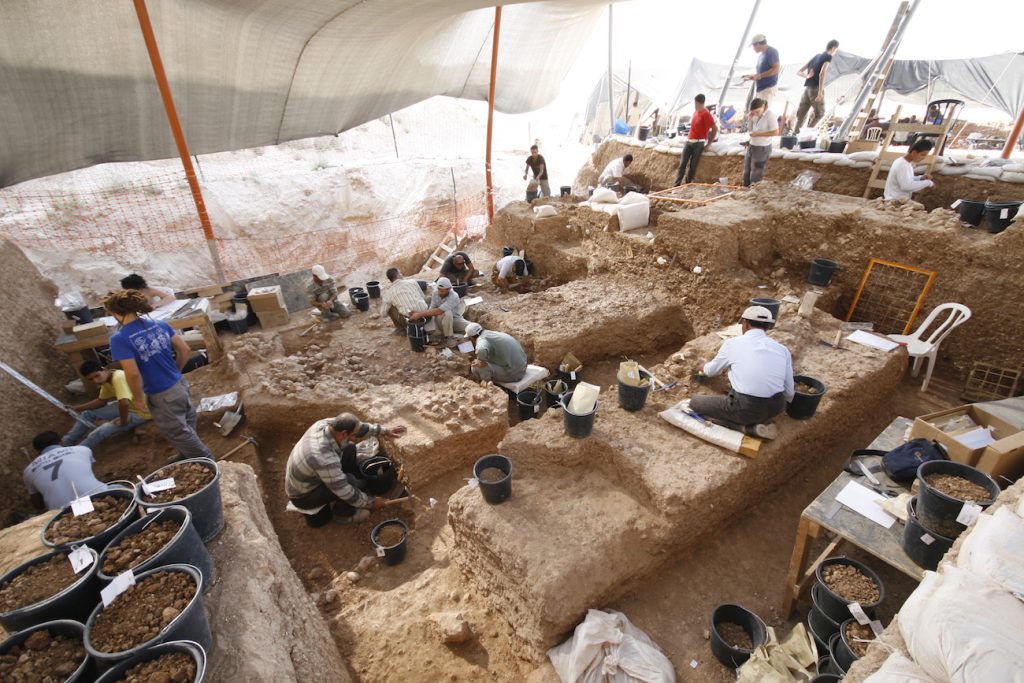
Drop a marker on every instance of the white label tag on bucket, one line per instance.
(380, 551)
(877, 628)
(81, 506)
(927, 539)
(969, 513)
(1005, 213)
(859, 614)
(80, 558)
(160, 485)
(473, 483)
(955, 204)
(572, 375)
(536, 407)
(120, 584)
(433, 503)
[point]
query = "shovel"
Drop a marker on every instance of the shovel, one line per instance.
(229, 420)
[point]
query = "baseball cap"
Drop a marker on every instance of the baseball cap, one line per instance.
(758, 313)
(758, 38)
(444, 283)
(319, 272)
(473, 329)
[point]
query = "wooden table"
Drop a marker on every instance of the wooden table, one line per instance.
(73, 346)
(844, 525)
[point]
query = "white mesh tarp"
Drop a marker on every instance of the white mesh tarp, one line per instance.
(78, 87)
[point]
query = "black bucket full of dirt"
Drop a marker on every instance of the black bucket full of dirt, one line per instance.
(192, 672)
(494, 474)
(971, 212)
(731, 623)
(109, 643)
(565, 191)
(807, 395)
(634, 398)
(528, 404)
(197, 487)
(72, 597)
(113, 510)
(772, 305)
(362, 301)
(808, 144)
(837, 146)
(462, 290)
(379, 474)
(787, 141)
(553, 390)
(999, 215)
(948, 491)
(843, 581)
(139, 546)
(642, 132)
(849, 634)
(373, 289)
(821, 272)
(81, 316)
(390, 539)
(577, 426)
(55, 638)
(416, 330)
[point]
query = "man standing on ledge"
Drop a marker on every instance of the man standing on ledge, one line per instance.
(535, 162)
(763, 125)
(760, 376)
(702, 129)
(766, 80)
(814, 87)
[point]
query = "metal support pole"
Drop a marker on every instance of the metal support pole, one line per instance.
(490, 111)
(179, 136)
(736, 59)
(611, 97)
(1014, 135)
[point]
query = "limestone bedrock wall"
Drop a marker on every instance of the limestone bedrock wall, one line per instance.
(30, 324)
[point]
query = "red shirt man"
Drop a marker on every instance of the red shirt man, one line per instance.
(702, 129)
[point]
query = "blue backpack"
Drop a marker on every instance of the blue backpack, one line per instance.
(901, 463)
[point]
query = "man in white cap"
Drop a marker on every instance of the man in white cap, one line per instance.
(444, 310)
(760, 375)
(511, 271)
(499, 357)
(323, 295)
(766, 80)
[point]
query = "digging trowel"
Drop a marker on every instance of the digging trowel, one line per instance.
(229, 420)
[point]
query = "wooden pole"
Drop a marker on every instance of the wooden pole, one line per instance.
(179, 136)
(611, 80)
(1014, 135)
(490, 112)
(736, 59)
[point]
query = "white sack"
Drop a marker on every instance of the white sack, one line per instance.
(634, 198)
(678, 415)
(664, 149)
(827, 157)
(544, 211)
(994, 171)
(866, 155)
(863, 164)
(1012, 177)
(954, 170)
(845, 161)
(1014, 168)
(995, 550)
(978, 176)
(899, 669)
(632, 216)
(607, 648)
(603, 195)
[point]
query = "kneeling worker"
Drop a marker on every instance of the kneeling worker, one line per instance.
(120, 416)
(458, 268)
(760, 374)
(401, 299)
(614, 176)
(499, 357)
(322, 473)
(60, 474)
(444, 309)
(509, 270)
(323, 295)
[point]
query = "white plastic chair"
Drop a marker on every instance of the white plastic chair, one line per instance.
(920, 348)
(874, 133)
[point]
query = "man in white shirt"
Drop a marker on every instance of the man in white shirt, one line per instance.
(444, 310)
(760, 376)
(764, 125)
(60, 474)
(511, 271)
(901, 182)
(614, 175)
(400, 298)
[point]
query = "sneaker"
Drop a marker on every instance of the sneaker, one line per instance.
(766, 431)
(355, 518)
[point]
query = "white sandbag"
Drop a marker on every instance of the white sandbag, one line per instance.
(607, 648)
(863, 164)
(1013, 168)
(1012, 177)
(544, 211)
(994, 171)
(995, 549)
(790, 154)
(678, 415)
(845, 161)
(633, 216)
(954, 170)
(633, 142)
(603, 195)
(866, 155)
(634, 198)
(962, 629)
(664, 149)
(827, 157)
(898, 669)
(975, 176)
(736, 151)
(777, 153)
(610, 209)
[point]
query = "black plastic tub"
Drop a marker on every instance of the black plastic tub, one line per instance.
(494, 492)
(999, 215)
(835, 606)
(971, 212)
(379, 474)
(205, 505)
(373, 289)
(184, 548)
(826, 678)
(98, 541)
(577, 426)
(808, 144)
(565, 191)
(74, 602)
(842, 652)
(391, 554)
(362, 301)
(193, 650)
(832, 666)
(571, 379)
(417, 332)
(352, 291)
(837, 146)
(787, 141)
(727, 654)
(803, 406)
(821, 627)
(61, 627)
(938, 511)
(924, 554)
(551, 395)
(528, 403)
(821, 271)
(634, 398)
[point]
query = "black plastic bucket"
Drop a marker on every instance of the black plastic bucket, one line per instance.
(100, 540)
(190, 624)
(808, 144)
(81, 315)
(193, 650)
(373, 289)
(184, 548)
(551, 395)
(379, 474)
(821, 627)
(999, 215)
(837, 146)
(571, 379)
(352, 291)
(819, 666)
(642, 132)
(494, 492)
(787, 141)
(927, 555)
(392, 554)
(772, 305)
(74, 602)
(843, 653)
(803, 406)
(971, 212)
(362, 301)
(205, 504)
(832, 666)
(461, 290)
(239, 326)
(60, 627)
(565, 190)
(634, 398)
(835, 606)
(734, 657)
(528, 402)
(821, 272)
(936, 510)
(826, 678)
(416, 330)
(577, 426)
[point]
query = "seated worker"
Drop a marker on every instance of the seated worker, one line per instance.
(458, 268)
(400, 299)
(507, 273)
(614, 176)
(112, 411)
(157, 296)
(760, 374)
(901, 182)
(499, 357)
(444, 309)
(322, 471)
(60, 474)
(323, 295)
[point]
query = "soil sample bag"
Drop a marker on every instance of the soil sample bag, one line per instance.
(584, 398)
(570, 363)
(629, 374)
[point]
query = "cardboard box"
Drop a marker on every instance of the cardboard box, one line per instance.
(272, 318)
(89, 330)
(207, 290)
(1005, 455)
(266, 298)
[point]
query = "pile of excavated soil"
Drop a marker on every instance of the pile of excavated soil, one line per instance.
(43, 657)
(37, 583)
(174, 667)
(851, 584)
(958, 487)
(735, 635)
(135, 549)
(142, 611)
(189, 478)
(107, 510)
(859, 637)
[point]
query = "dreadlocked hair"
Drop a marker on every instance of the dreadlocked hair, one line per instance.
(127, 301)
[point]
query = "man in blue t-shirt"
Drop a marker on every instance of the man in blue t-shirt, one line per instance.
(813, 98)
(766, 80)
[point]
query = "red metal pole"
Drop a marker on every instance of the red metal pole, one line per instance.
(1014, 135)
(179, 136)
(490, 111)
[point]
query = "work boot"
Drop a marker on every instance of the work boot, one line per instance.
(763, 431)
(355, 518)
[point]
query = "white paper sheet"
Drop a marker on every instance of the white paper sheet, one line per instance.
(861, 500)
(472, 300)
(873, 340)
(976, 438)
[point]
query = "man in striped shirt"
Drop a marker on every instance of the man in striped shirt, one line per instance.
(400, 298)
(322, 474)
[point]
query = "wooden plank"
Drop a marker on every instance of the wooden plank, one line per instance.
(879, 183)
(935, 128)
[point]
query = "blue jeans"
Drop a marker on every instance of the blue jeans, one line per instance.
(109, 412)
